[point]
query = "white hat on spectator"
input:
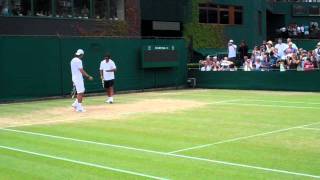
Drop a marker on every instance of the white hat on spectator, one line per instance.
(231, 41)
(318, 44)
(79, 52)
(270, 42)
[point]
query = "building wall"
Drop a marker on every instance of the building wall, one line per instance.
(75, 27)
(216, 35)
(286, 9)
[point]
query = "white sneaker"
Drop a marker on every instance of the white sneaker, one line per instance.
(110, 101)
(80, 109)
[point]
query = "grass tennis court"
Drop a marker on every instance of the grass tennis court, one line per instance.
(184, 134)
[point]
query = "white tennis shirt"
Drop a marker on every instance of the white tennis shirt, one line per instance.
(76, 65)
(106, 66)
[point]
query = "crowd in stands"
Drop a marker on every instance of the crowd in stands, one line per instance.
(309, 31)
(268, 56)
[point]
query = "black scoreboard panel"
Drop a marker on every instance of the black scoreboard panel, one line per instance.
(159, 56)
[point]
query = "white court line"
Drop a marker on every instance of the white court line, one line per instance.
(289, 102)
(314, 129)
(268, 105)
(169, 154)
(240, 138)
(81, 162)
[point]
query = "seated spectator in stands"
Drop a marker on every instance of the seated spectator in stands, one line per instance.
(301, 63)
(282, 64)
(5, 11)
(263, 46)
(316, 53)
(308, 65)
(269, 47)
(283, 32)
(301, 31)
(281, 47)
(232, 51)
(207, 64)
(290, 50)
(247, 65)
(306, 30)
(256, 53)
(85, 12)
(265, 63)
(273, 60)
(314, 62)
(257, 63)
(289, 40)
(226, 64)
(293, 62)
(215, 64)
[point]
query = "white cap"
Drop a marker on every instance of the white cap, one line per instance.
(318, 44)
(79, 52)
(231, 41)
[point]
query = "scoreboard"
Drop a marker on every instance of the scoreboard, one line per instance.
(159, 56)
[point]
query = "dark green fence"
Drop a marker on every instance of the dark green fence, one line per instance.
(35, 67)
(288, 81)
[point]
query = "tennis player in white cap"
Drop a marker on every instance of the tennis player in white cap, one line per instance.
(77, 78)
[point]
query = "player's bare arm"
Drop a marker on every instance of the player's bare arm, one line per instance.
(101, 74)
(84, 73)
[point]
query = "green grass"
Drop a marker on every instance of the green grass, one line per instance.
(295, 152)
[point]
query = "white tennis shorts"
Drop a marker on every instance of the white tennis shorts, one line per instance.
(79, 86)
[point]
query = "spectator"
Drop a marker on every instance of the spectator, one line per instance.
(85, 12)
(269, 47)
(290, 50)
(247, 65)
(308, 66)
(215, 64)
(265, 63)
(273, 60)
(232, 51)
(293, 62)
(282, 64)
(243, 51)
(293, 44)
(226, 64)
(257, 63)
(292, 59)
(281, 47)
(206, 64)
(316, 53)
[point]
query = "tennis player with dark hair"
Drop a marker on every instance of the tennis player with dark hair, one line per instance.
(107, 69)
(77, 78)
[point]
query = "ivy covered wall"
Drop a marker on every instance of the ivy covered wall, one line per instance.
(216, 35)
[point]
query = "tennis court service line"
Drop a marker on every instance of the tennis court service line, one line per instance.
(289, 102)
(314, 129)
(270, 105)
(171, 154)
(81, 162)
(241, 138)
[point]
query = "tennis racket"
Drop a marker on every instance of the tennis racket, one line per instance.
(102, 83)
(73, 92)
